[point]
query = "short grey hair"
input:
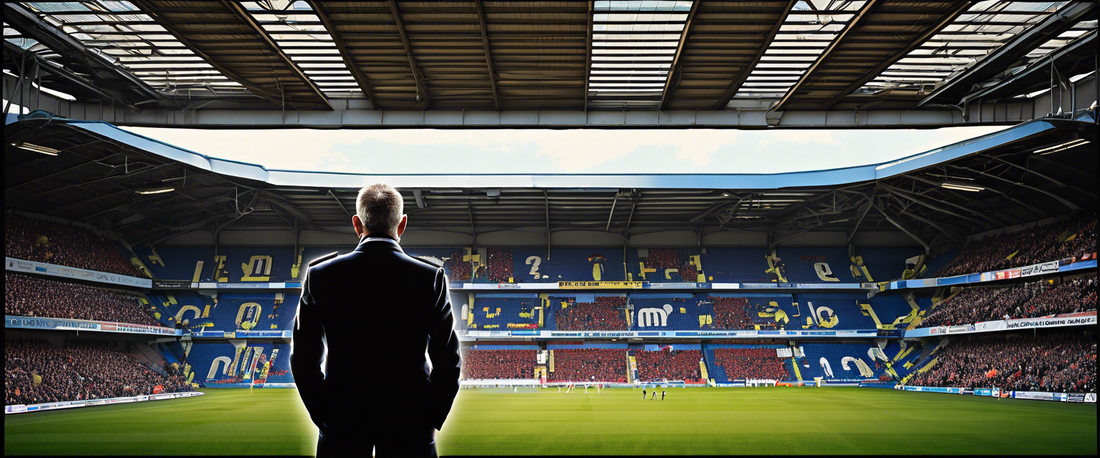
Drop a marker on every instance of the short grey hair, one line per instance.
(380, 207)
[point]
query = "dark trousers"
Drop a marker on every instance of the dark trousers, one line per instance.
(361, 446)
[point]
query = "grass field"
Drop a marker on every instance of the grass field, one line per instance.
(696, 421)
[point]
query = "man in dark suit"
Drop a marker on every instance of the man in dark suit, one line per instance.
(375, 310)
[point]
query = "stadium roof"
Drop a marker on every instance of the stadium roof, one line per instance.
(150, 192)
(605, 64)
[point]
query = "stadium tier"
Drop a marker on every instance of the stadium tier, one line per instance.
(226, 311)
(1059, 361)
(499, 362)
(31, 296)
(35, 239)
(590, 364)
(1074, 238)
(671, 364)
(495, 312)
(240, 362)
(37, 372)
(977, 304)
(840, 362)
(743, 361)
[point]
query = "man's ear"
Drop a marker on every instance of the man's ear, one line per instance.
(358, 225)
(401, 226)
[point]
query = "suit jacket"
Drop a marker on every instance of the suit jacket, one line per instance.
(375, 310)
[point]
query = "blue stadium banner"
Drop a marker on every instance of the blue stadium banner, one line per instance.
(41, 268)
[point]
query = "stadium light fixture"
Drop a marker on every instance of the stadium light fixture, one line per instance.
(961, 186)
(36, 148)
(1062, 147)
(155, 190)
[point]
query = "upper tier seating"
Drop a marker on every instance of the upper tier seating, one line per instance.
(34, 239)
(26, 295)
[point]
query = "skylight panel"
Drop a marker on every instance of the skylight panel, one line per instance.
(633, 46)
(971, 37)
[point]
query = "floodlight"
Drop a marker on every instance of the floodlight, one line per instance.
(961, 186)
(36, 148)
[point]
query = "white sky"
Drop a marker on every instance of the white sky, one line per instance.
(417, 151)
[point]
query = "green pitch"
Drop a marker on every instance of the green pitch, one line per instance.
(694, 421)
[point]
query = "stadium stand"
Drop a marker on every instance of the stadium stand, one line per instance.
(750, 363)
(499, 364)
(34, 239)
(729, 264)
(226, 363)
(1059, 361)
(26, 295)
(37, 372)
(606, 314)
(669, 365)
(230, 311)
(882, 263)
(665, 313)
(589, 365)
(661, 265)
(977, 304)
(847, 362)
(753, 312)
(833, 311)
(717, 372)
(491, 312)
(1074, 237)
(226, 264)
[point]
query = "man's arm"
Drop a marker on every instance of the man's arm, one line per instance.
(443, 351)
(306, 350)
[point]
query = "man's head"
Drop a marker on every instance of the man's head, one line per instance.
(379, 211)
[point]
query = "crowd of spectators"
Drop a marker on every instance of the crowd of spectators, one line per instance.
(499, 265)
(661, 259)
(738, 313)
(457, 269)
(34, 239)
(750, 363)
(974, 305)
(498, 364)
(606, 314)
(589, 365)
(668, 365)
(26, 295)
(1062, 361)
(36, 372)
(1074, 237)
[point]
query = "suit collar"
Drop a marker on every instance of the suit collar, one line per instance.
(375, 241)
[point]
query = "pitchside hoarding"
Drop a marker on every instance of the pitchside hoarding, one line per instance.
(42, 268)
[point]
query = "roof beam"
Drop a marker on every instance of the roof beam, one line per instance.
(1018, 81)
(1070, 205)
(1010, 53)
(867, 7)
(349, 60)
(243, 14)
(588, 56)
(886, 63)
(674, 75)
(154, 12)
(421, 85)
(902, 227)
(744, 75)
(71, 77)
(30, 26)
(488, 53)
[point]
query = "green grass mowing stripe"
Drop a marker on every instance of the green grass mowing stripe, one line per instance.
(617, 421)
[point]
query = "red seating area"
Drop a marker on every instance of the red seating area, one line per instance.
(669, 365)
(78, 371)
(589, 365)
(688, 272)
(1032, 246)
(729, 313)
(457, 269)
(1060, 362)
(39, 240)
(750, 363)
(498, 364)
(499, 265)
(26, 295)
(606, 314)
(662, 258)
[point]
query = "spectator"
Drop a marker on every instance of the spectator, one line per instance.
(79, 371)
(669, 365)
(738, 313)
(34, 239)
(750, 363)
(498, 364)
(25, 295)
(1074, 237)
(606, 314)
(978, 304)
(589, 365)
(1063, 361)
